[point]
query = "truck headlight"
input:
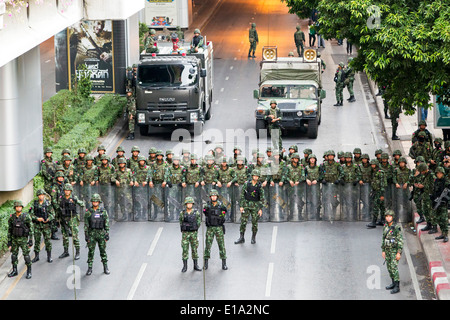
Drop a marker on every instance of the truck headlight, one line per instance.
(194, 116)
(310, 109)
(141, 118)
(299, 113)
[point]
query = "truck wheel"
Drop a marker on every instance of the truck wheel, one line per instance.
(143, 130)
(260, 125)
(313, 128)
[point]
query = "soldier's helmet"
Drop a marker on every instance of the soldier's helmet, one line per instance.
(422, 167)
(341, 64)
(365, 156)
(420, 159)
(294, 147)
(189, 200)
(197, 31)
(66, 158)
(18, 203)
(421, 134)
(307, 151)
(348, 155)
(169, 152)
(357, 151)
(120, 148)
(438, 140)
(255, 172)
(390, 212)
(59, 174)
(65, 151)
(440, 169)
(104, 157)
(68, 186)
(82, 150)
(101, 147)
(141, 158)
(213, 192)
(96, 198)
(422, 123)
(240, 158)
(152, 31)
(384, 155)
(121, 160)
(159, 152)
(152, 150)
(273, 102)
(194, 156)
(374, 161)
(48, 149)
(253, 25)
(176, 157)
(224, 160)
(135, 148)
(295, 155)
(298, 27)
(89, 158)
(397, 153)
(40, 191)
(331, 153)
(378, 151)
(402, 159)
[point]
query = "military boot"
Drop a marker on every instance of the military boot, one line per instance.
(421, 219)
(130, 136)
(13, 272)
(249, 53)
(372, 224)
(241, 239)
(54, 237)
(89, 271)
(253, 238)
(28, 263)
(64, 254)
(196, 267)
(391, 286)
(386, 116)
(351, 99)
(433, 229)
(184, 266)
(396, 287)
(49, 256)
(224, 264)
(338, 104)
(205, 264)
(427, 227)
(395, 137)
(36, 257)
(105, 269)
(77, 254)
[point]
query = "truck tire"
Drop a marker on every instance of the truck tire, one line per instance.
(313, 128)
(260, 125)
(143, 130)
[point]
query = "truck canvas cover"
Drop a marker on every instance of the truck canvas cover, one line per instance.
(290, 70)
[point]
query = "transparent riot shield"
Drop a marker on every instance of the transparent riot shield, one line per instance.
(226, 197)
(365, 213)
(174, 203)
(195, 192)
(205, 192)
(140, 203)
(296, 202)
(236, 204)
(331, 202)
(313, 203)
(279, 208)
(388, 195)
(266, 209)
(124, 203)
(86, 192)
(157, 203)
(349, 202)
(401, 205)
(107, 194)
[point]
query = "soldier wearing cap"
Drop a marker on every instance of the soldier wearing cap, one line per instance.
(396, 157)
(169, 157)
(339, 80)
(20, 236)
(133, 161)
(440, 214)
(273, 118)
(378, 184)
(130, 111)
(253, 39)
(190, 222)
(215, 212)
(391, 247)
(42, 215)
(96, 231)
(252, 200)
(48, 169)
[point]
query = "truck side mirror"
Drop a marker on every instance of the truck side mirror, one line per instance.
(256, 94)
(323, 94)
(203, 73)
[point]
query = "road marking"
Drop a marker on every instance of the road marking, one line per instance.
(269, 280)
(217, 101)
(231, 68)
(136, 281)
(411, 268)
(274, 239)
(227, 78)
(155, 241)
(222, 89)
(368, 111)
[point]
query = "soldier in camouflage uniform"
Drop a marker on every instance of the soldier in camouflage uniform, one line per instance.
(273, 118)
(193, 173)
(339, 80)
(253, 39)
(299, 40)
(401, 175)
(190, 222)
(215, 213)
(357, 156)
(141, 177)
(150, 44)
(424, 183)
(185, 158)
(365, 169)
(295, 172)
(349, 80)
(225, 174)
(396, 155)
(42, 215)
(276, 170)
(69, 169)
(313, 173)
(416, 194)
(378, 183)
(175, 172)
(123, 178)
(89, 175)
(158, 170)
(120, 153)
(96, 231)
(20, 236)
(441, 212)
(48, 169)
(69, 220)
(252, 200)
(331, 171)
(241, 173)
(437, 154)
(100, 151)
(131, 114)
(421, 147)
(391, 247)
(169, 157)
(306, 153)
(57, 191)
(352, 172)
(209, 172)
(133, 161)
(422, 128)
(80, 162)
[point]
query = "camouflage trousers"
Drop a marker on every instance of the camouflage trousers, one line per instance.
(249, 212)
(219, 234)
(252, 47)
(300, 50)
(392, 264)
(131, 124)
(95, 237)
(378, 208)
(70, 225)
(350, 87)
(42, 230)
(427, 210)
(20, 243)
(441, 218)
(339, 92)
(189, 238)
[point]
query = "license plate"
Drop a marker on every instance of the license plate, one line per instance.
(167, 116)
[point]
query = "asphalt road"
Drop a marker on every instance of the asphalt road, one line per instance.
(309, 260)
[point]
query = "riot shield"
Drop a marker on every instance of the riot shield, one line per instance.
(157, 203)
(196, 193)
(236, 218)
(401, 205)
(107, 194)
(226, 197)
(174, 203)
(266, 209)
(365, 202)
(140, 203)
(124, 203)
(313, 202)
(296, 202)
(86, 192)
(349, 202)
(205, 192)
(331, 202)
(278, 203)
(388, 195)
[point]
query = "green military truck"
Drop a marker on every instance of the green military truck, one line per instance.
(296, 84)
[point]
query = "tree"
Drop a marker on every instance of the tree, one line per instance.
(402, 44)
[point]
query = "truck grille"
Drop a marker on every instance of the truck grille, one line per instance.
(290, 115)
(169, 106)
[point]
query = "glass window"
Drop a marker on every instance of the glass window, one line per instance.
(177, 75)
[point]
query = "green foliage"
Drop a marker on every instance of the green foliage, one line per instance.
(82, 85)
(6, 210)
(143, 28)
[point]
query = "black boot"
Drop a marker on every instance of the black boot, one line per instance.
(249, 53)
(28, 263)
(391, 286)
(396, 287)
(13, 273)
(241, 239)
(89, 271)
(381, 222)
(433, 229)
(205, 264)
(351, 99)
(421, 219)
(184, 266)
(54, 237)
(253, 237)
(196, 267)
(105, 269)
(372, 224)
(36, 257)
(224, 264)
(427, 227)
(49, 257)
(64, 254)
(77, 254)
(130, 136)
(386, 116)
(337, 104)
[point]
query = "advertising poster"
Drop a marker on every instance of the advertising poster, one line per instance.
(161, 13)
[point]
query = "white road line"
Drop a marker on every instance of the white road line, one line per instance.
(231, 68)
(274, 239)
(217, 102)
(136, 281)
(269, 280)
(227, 78)
(222, 89)
(155, 241)
(411, 268)
(374, 134)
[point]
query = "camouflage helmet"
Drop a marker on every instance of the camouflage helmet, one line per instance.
(357, 150)
(384, 155)
(374, 161)
(194, 156)
(439, 169)
(307, 151)
(348, 155)
(224, 160)
(298, 27)
(438, 140)
(65, 151)
(96, 198)
(420, 159)
(104, 157)
(209, 157)
(101, 147)
(169, 152)
(390, 212)
(68, 186)
(378, 151)
(397, 153)
(295, 155)
(189, 200)
(422, 123)
(59, 174)
(48, 150)
(141, 158)
(135, 148)
(82, 150)
(240, 158)
(40, 191)
(120, 148)
(422, 167)
(176, 157)
(312, 156)
(365, 156)
(253, 25)
(294, 147)
(121, 160)
(331, 153)
(152, 150)
(340, 154)
(341, 64)
(159, 152)
(152, 31)
(273, 102)
(422, 134)
(197, 31)
(89, 157)
(402, 159)
(255, 172)
(66, 158)
(18, 203)
(213, 192)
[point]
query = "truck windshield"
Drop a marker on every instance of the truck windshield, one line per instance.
(176, 75)
(289, 91)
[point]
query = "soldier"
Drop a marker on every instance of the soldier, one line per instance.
(331, 170)
(129, 79)
(273, 118)
(215, 213)
(69, 220)
(175, 172)
(123, 178)
(352, 172)
(69, 169)
(57, 191)
(441, 212)
(397, 155)
(141, 174)
(151, 156)
(313, 173)
(379, 184)
(196, 42)
(251, 202)
(209, 172)
(253, 39)
(180, 33)
(120, 153)
(133, 161)
(365, 169)
(131, 114)
(20, 236)
(225, 174)
(295, 173)
(241, 171)
(421, 147)
(158, 171)
(190, 221)
(306, 153)
(299, 39)
(349, 79)
(48, 169)
(169, 157)
(415, 194)
(292, 149)
(193, 174)
(96, 231)
(422, 128)
(185, 158)
(42, 215)
(391, 247)
(437, 154)
(386, 166)
(339, 79)
(401, 175)
(424, 183)
(150, 44)
(105, 171)
(357, 156)
(80, 162)
(260, 165)
(394, 111)
(89, 176)
(277, 170)
(237, 151)
(141, 178)
(100, 151)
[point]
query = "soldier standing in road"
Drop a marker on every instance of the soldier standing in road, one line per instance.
(349, 79)
(209, 171)
(96, 231)
(392, 246)
(251, 202)
(379, 184)
(253, 39)
(42, 215)
(123, 178)
(299, 39)
(365, 169)
(394, 111)
(20, 236)
(339, 79)
(215, 213)
(273, 117)
(131, 114)
(120, 153)
(331, 171)
(294, 173)
(190, 222)
(241, 173)
(441, 212)
(424, 183)
(133, 161)
(401, 175)
(100, 151)
(48, 169)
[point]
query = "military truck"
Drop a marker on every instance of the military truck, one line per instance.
(295, 83)
(174, 88)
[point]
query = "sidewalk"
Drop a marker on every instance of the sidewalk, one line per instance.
(436, 252)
